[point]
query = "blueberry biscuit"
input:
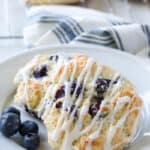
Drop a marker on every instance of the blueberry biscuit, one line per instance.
(85, 105)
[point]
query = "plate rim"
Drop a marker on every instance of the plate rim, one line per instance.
(80, 46)
(53, 47)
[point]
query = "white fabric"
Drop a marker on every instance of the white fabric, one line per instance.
(46, 28)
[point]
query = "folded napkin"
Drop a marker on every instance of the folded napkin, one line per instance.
(44, 27)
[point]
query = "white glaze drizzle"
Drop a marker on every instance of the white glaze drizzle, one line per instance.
(106, 99)
(64, 122)
(113, 128)
(47, 102)
(70, 136)
(63, 113)
(25, 74)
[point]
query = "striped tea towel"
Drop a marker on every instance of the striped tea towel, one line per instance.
(45, 28)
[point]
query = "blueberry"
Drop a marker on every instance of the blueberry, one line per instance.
(94, 108)
(59, 105)
(72, 109)
(28, 127)
(55, 58)
(116, 80)
(73, 87)
(40, 72)
(9, 124)
(102, 85)
(60, 92)
(99, 99)
(126, 148)
(12, 110)
(31, 141)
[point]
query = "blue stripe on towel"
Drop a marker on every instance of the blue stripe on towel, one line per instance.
(69, 28)
(60, 34)
(37, 15)
(148, 33)
(101, 32)
(106, 36)
(117, 37)
(101, 40)
(43, 17)
(52, 20)
(146, 30)
(143, 29)
(75, 24)
(96, 42)
(98, 39)
(66, 29)
(47, 17)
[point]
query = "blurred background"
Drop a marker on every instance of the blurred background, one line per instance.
(134, 10)
(12, 15)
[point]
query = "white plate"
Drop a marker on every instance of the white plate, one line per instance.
(133, 68)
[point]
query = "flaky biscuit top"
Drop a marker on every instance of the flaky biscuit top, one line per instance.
(84, 104)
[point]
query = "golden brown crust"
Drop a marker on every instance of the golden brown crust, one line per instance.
(34, 90)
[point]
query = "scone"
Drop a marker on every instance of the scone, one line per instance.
(84, 105)
(37, 2)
